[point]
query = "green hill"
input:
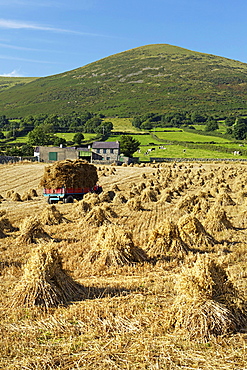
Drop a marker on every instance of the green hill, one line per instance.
(153, 78)
(8, 82)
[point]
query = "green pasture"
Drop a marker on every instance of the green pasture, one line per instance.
(68, 136)
(177, 151)
(122, 124)
(143, 139)
(189, 136)
(221, 129)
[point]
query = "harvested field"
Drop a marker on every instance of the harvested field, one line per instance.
(115, 313)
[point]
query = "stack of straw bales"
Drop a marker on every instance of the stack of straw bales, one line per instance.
(119, 199)
(193, 232)
(135, 204)
(44, 282)
(15, 197)
(165, 241)
(92, 199)
(217, 220)
(51, 216)
(26, 196)
(32, 230)
(5, 224)
(224, 199)
(207, 303)
(96, 217)
(107, 196)
(80, 208)
(114, 247)
(70, 174)
(149, 195)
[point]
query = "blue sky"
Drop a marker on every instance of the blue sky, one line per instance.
(46, 37)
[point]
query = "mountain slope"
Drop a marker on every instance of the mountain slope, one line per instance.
(152, 78)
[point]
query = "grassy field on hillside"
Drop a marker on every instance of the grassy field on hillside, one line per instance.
(153, 78)
(122, 124)
(188, 136)
(178, 151)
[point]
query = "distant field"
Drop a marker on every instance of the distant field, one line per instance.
(68, 136)
(188, 136)
(178, 151)
(143, 139)
(122, 124)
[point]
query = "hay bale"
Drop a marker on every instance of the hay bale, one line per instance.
(51, 216)
(33, 193)
(114, 247)
(193, 232)
(207, 303)
(165, 241)
(70, 174)
(2, 234)
(135, 204)
(32, 230)
(15, 197)
(107, 196)
(187, 203)
(119, 199)
(96, 217)
(201, 207)
(166, 196)
(224, 199)
(80, 208)
(5, 224)
(9, 193)
(242, 196)
(44, 282)
(134, 191)
(115, 188)
(92, 199)
(26, 196)
(109, 211)
(149, 195)
(217, 220)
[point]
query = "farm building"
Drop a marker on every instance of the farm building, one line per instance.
(50, 154)
(100, 151)
(107, 151)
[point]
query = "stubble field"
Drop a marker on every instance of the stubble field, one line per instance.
(127, 316)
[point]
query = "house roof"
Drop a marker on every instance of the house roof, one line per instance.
(105, 145)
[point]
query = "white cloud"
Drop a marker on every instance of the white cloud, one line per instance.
(14, 73)
(12, 24)
(6, 57)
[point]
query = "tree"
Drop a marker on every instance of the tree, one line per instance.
(211, 125)
(239, 129)
(128, 145)
(27, 150)
(197, 117)
(104, 128)
(229, 121)
(39, 136)
(78, 137)
(59, 141)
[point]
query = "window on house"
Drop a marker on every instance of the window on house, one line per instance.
(104, 151)
(108, 158)
(111, 151)
(52, 156)
(98, 150)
